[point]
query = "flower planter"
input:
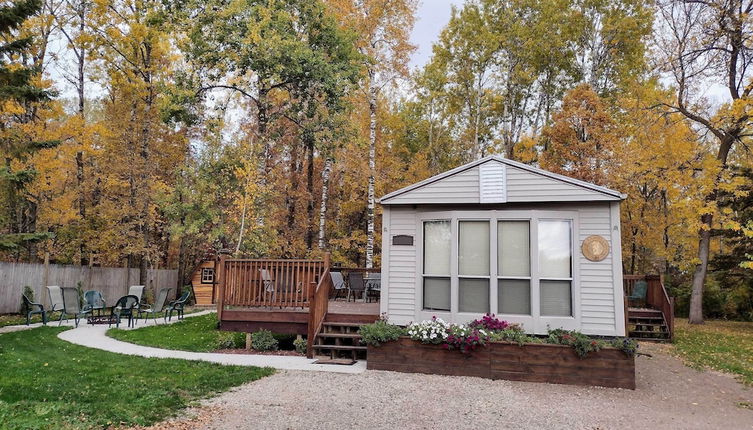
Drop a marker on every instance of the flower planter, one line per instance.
(556, 364)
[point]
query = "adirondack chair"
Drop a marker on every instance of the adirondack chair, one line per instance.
(72, 306)
(639, 293)
(177, 306)
(56, 299)
(155, 308)
(94, 301)
(338, 284)
(30, 306)
(124, 307)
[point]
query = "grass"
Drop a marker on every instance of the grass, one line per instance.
(17, 319)
(197, 334)
(48, 383)
(725, 346)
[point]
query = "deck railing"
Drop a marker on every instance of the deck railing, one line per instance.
(318, 310)
(268, 282)
(656, 297)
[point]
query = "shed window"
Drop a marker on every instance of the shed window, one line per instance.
(207, 275)
(514, 267)
(555, 267)
(473, 266)
(436, 267)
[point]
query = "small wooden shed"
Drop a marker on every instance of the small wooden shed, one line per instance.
(203, 282)
(497, 236)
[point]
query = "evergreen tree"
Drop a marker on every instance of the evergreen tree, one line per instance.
(19, 97)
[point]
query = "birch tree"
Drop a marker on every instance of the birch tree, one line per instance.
(383, 28)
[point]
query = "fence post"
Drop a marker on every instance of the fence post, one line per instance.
(46, 278)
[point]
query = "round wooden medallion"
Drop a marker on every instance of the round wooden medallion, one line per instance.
(595, 248)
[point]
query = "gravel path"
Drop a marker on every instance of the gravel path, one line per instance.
(669, 395)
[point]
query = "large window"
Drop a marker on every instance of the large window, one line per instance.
(473, 266)
(555, 267)
(513, 267)
(436, 276)
(514, 263)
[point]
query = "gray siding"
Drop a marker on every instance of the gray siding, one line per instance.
(525, 186)
(401, 292)
(599, 286)
(459, 188)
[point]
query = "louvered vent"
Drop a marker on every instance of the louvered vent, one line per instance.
(492, 182)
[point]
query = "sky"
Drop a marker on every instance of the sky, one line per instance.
(431, 17)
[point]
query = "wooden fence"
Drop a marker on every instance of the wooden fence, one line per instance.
(113, 282)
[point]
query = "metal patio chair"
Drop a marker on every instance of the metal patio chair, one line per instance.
(356, 285)
(155, 308)
(72, 306)
(338, 284)
(56, 299)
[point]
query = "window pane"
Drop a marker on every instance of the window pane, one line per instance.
(514, 296)
(437, 294)
(554, 249)
(474, 295)
(473, 248)
(437, 239)
(555, 298)
(513, 248)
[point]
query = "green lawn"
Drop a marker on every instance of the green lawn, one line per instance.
(198, 334)
(15, 319)
(48, 383)
(721, 345)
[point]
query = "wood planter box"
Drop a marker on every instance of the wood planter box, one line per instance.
(555, 364)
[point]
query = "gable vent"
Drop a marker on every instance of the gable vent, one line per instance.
(492, 180)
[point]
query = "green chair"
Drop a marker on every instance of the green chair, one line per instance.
(126, 306)
(639, 292)
(94, 301)
(155, 308)
(56, 299)
(177, 306)
(30, 306)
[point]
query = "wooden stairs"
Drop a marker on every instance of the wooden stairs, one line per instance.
(647, 325)
(339, 343)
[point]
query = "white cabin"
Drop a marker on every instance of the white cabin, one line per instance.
(498, 236)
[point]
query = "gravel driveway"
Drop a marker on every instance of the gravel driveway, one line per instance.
(669, 395)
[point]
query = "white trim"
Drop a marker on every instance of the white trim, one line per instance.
(593, 187)
(616, 249)
(386, 245)
(533, 323)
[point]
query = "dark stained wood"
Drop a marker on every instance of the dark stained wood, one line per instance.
(274, 327)
(351, 318)
(656, 298)
(554, 364)
(318, 309)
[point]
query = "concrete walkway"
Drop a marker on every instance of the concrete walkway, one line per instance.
(93, 336)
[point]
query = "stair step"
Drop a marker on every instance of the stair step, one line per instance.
(341, 347)
(663, 333)
(340, 335)
(336, 361)
(340, 324)
(638, 317)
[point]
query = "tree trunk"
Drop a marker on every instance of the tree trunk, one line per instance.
(323, 208)
(699, 276)
(310, 191)
(372, 174)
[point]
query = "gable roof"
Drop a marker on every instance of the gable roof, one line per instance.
(517, 181)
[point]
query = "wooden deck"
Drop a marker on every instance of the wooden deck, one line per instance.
(652, 318)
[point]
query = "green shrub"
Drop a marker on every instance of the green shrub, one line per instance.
(582, 344)
(29, 293)
(628, 346)
(300, 345)
(230, 340)
(264, 340)
(380, 332)
(513, 334)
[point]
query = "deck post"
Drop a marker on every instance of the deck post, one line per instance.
(220, 272)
